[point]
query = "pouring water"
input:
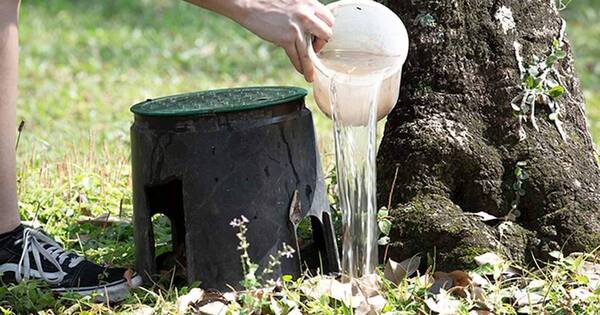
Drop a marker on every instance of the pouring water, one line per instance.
(357, 83)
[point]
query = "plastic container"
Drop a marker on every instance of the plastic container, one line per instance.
(363, 59)
(205, 158)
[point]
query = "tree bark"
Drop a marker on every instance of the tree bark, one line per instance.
(453, 138)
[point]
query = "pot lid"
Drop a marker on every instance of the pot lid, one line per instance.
(218, 101)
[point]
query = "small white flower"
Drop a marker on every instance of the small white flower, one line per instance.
(239, 222)
(288, 251)
(235, 223)
(288, 254)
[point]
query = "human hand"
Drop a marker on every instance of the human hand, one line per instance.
(286, 24)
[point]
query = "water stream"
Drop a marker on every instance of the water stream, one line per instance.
(355, 129)
(355, 149)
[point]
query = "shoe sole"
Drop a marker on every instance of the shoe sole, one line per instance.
(112, 292)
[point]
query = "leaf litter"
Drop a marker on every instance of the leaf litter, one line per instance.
(495, 287)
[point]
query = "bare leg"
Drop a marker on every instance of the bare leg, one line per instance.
(104, 283)
(9, 57)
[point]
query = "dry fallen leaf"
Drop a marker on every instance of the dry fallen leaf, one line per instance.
(396, 272)
(489, 258)
(144, 310)
(443, 304)
(372, 306)
(352, 292)
(580, 294)
(341, 291)
(230, 296)
(320, 286)
(454, 282)
(497, 261)
(592, 272)
(484, 216)
(295, 311)
(461, 282)
(461, 278)
(367, 286)
(443, 281)
(213, 308)
(524, 298)
(184, 301)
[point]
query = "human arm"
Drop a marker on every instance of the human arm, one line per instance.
(284, 23)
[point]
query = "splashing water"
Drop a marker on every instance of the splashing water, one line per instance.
(355, 148)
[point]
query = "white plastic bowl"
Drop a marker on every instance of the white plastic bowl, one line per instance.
(365, 27)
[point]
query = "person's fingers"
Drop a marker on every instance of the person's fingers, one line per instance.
(292, 53)
(306, 63)
(325, 14)
(317, 27)
(318, 44)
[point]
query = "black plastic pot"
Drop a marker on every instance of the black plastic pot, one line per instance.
(204, 159)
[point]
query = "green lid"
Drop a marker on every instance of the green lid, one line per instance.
(218, 101)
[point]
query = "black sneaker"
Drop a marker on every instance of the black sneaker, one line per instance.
(27, 253)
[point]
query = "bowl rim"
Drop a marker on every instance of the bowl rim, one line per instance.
(319, 66)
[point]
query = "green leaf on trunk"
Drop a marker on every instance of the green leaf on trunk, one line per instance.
(556, 91)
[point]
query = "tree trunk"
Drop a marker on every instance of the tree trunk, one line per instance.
(454, 140)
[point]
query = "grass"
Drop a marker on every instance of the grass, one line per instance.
(83, 63)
